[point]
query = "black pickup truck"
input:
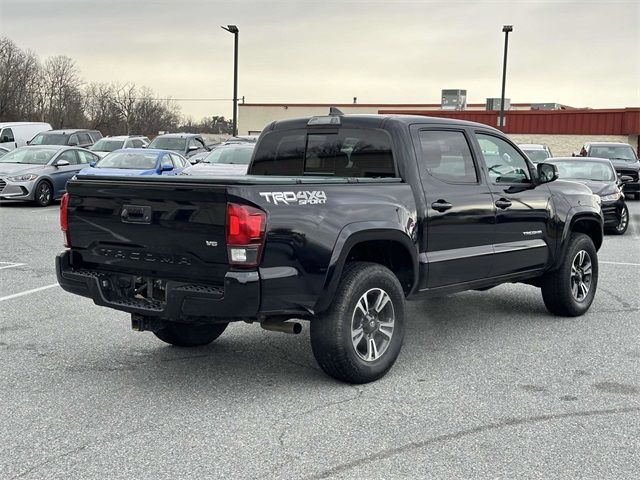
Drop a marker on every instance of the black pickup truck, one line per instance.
(341, 219)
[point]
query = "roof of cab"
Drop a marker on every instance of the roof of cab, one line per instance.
(376, 121)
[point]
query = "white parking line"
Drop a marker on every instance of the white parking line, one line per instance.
(4, 265)
(621, 263)
(27, 292)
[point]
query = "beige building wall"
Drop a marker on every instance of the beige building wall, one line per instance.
(565, 145)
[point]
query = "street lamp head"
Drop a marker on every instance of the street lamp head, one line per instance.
(507, 28)
(231, 28)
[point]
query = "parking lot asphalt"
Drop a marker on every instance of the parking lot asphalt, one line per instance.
(488, 385)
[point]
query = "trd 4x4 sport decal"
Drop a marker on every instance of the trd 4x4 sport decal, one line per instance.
(315, 197)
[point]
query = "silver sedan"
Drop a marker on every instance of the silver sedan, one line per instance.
(40, 173)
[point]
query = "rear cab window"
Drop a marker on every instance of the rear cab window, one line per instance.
(340, 152)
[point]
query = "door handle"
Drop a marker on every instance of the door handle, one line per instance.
(503, 203)
(441, 205)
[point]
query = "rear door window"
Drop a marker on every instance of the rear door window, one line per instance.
(347, 152)
(447, 156)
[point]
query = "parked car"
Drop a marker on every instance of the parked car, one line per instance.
(339, 221)
(109, 144)
(624, 160)
(537, 152)
(600, 176)
(40, 173)
(227, 159)
(138, 162)
(186, 144)
(72, 137)
(18, 134)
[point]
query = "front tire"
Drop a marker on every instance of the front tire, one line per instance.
(358, 339)
(186, 335)
(623, 223)
(568, 291)
(43, 194)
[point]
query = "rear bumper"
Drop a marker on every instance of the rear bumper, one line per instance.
(238, 298)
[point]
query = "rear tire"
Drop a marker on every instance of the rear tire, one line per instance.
(358, 339)
(568, 291)
(186, 335)
(43, 194)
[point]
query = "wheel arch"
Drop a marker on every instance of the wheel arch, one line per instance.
(370, 241)
(587, 222)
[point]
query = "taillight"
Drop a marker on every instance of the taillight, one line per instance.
(245, 234)
(64, 219)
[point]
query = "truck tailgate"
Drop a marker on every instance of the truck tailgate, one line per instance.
(162, 229)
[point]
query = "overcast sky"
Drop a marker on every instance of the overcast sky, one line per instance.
(580, 53)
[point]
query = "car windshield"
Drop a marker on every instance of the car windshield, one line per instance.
(129, 160)
(230, 156)
(537, 155)
(613, 152)
(31, 156)
(585, 170)
(106, 145)
(169, 143)
(50, 139)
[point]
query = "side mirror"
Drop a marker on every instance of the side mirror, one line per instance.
(192, 148)
(166, 168)
(547, 172)
(73, 144)
(92, 164)
(62, 163)
(28, 142)
(625, 179)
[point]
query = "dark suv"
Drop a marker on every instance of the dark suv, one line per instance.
(70, 136)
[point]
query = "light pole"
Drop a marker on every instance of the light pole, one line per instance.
(234, 29)
(506, 29)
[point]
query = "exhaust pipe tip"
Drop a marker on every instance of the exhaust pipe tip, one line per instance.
(293, 328)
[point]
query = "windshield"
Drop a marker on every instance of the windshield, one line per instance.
(128, 160)
(613, 152)
(169, 143)
(585, 170)
(537, 155)
(106, 145)
(30, 156)
(230, 156)
(49, 139)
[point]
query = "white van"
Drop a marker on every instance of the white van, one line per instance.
(17, 134)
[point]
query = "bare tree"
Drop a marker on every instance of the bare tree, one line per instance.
(61, 91)
(54, 92)
(19, 81)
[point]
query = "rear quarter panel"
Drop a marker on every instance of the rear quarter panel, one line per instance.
(304, 223)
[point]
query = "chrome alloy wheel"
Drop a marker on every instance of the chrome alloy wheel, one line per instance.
(581, 275)
(372, 324)
(44, 193)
